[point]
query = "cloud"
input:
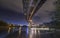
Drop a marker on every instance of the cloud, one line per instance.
(43, 14)
(11, 16)
(15, 5)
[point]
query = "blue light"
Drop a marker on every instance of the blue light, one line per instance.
(27, 30)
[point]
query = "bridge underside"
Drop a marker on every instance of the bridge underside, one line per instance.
(30, 7)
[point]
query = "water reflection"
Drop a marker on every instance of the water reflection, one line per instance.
(9, 30)
(25, 32)
(19, 30)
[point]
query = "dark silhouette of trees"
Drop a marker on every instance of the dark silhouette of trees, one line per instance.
(2, 23)
(3, 26)
(57, 14)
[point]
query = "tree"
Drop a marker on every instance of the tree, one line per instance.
(2, 23)
(57, 14)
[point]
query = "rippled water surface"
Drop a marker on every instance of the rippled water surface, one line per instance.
(28, 33)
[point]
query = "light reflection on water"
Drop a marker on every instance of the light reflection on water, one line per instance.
(19, 30)
(27, 33)
(9, 30)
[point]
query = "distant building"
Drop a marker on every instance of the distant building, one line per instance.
(50, 24)
(24, 28)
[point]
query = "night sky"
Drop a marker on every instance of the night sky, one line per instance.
(11, 11)
(12, 16)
